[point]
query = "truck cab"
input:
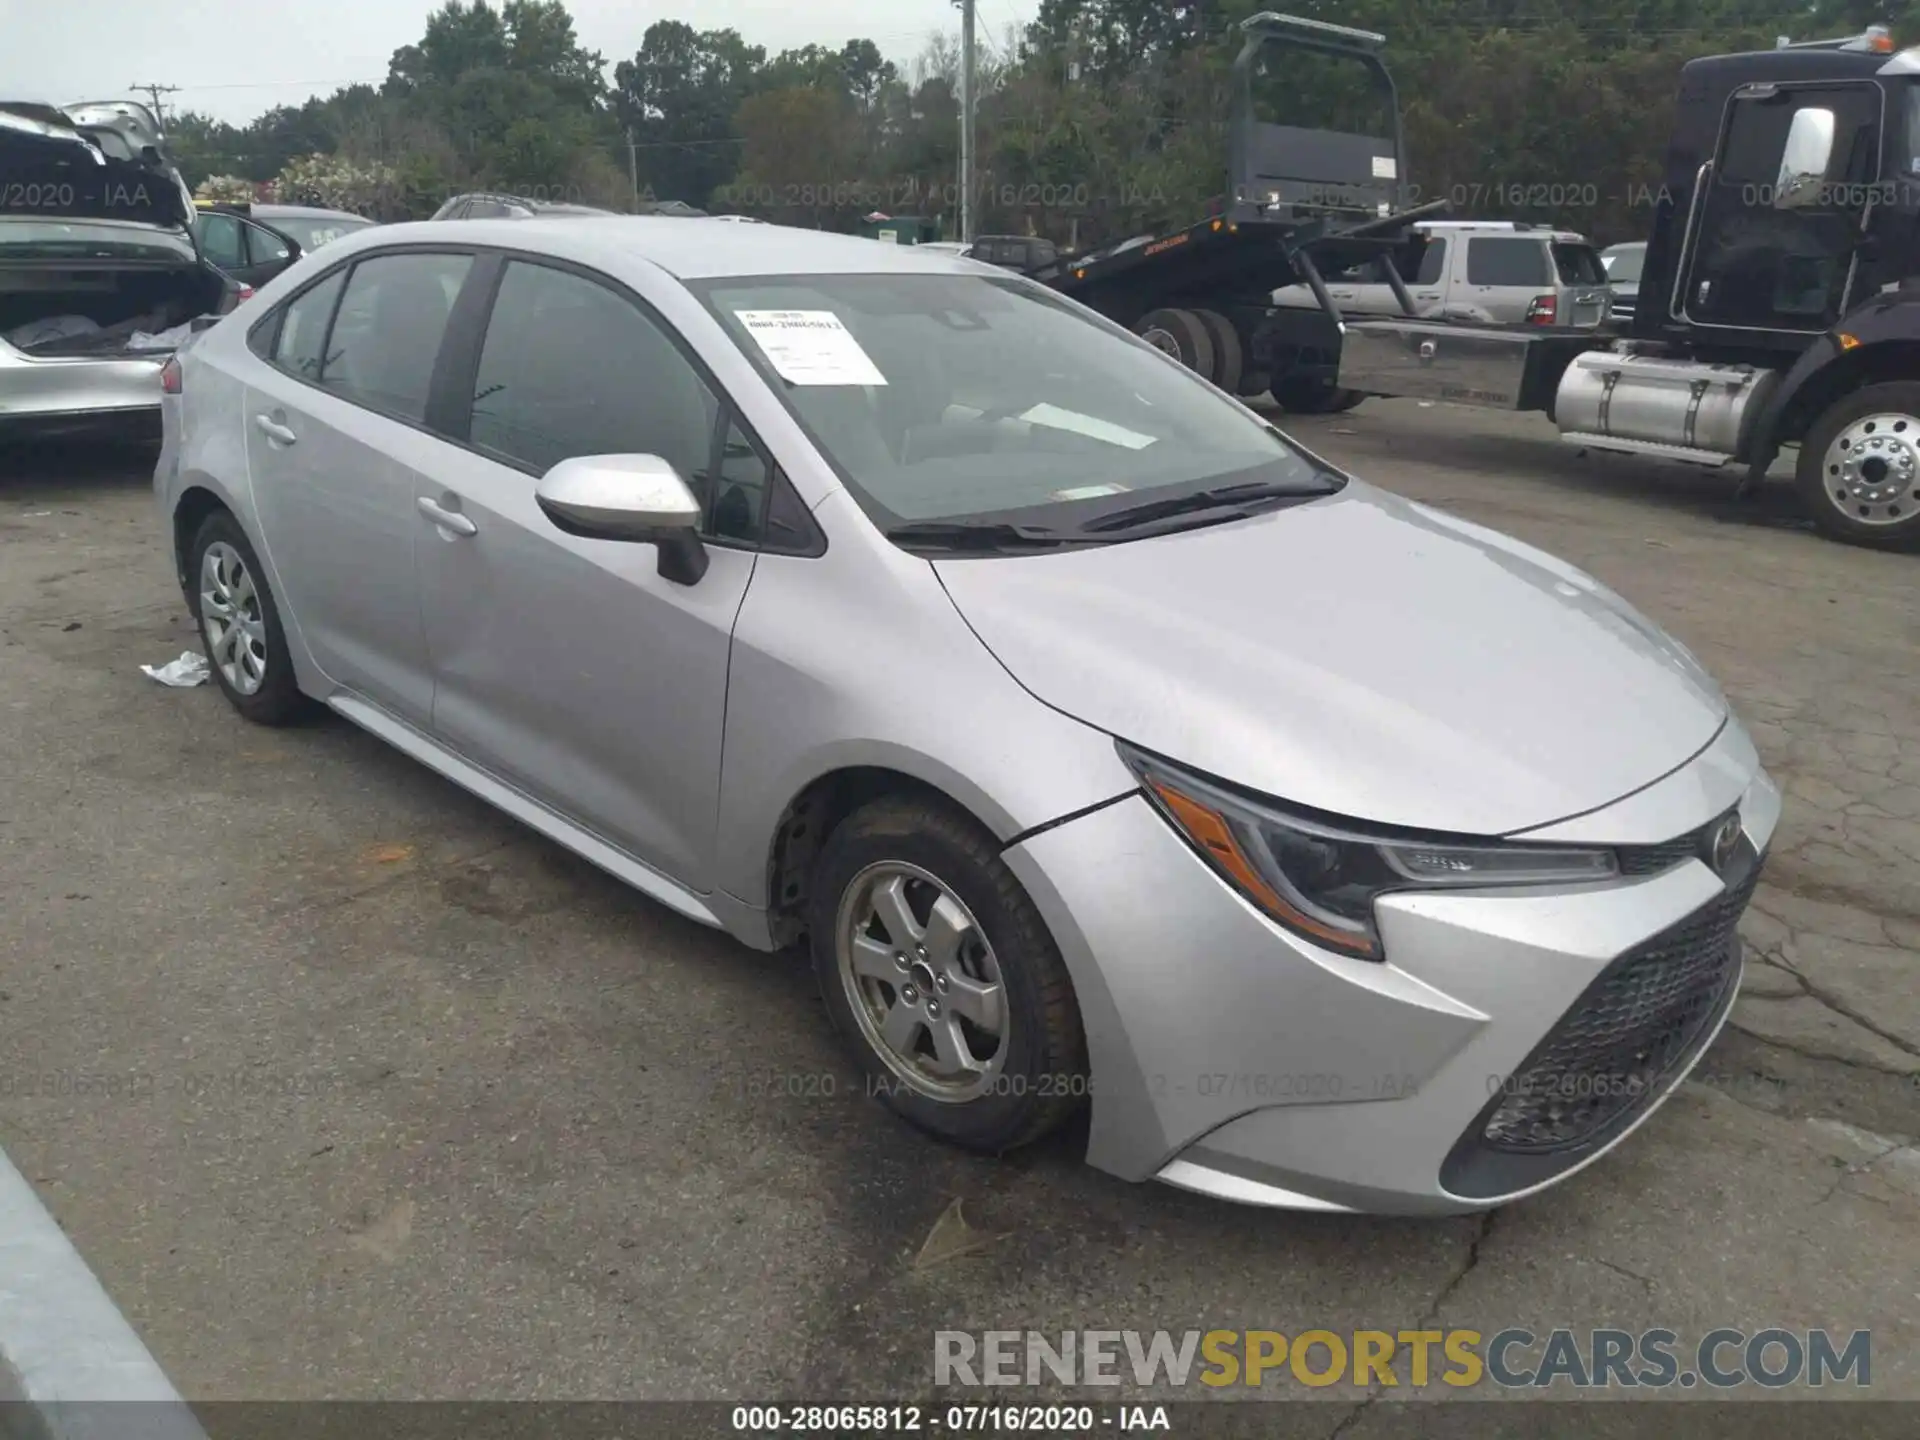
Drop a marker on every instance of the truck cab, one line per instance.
(1778, 304)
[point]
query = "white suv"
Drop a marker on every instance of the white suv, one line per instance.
(1490, 271)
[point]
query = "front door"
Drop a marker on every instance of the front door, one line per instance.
(335, 443)
(1752, 266)
(570, 667)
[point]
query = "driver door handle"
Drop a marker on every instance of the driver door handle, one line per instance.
(449, 520)
(274, 430)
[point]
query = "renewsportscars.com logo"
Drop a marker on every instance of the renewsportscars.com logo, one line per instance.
(1724, 1359)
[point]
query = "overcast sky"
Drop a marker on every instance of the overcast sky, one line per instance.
(234, 58)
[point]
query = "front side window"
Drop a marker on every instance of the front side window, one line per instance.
(944, 397)
(303, 328)
(571, 367)
(1506, 260)
(386, 336)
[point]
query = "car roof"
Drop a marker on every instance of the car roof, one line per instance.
(690, 248)
(269, 211)
(1625, 245)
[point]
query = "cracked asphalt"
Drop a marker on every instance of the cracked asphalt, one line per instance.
(389, 1098)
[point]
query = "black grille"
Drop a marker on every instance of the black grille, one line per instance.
(1656, 859)
(1635, 1025)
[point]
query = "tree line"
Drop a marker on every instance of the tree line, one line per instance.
(1101, 120)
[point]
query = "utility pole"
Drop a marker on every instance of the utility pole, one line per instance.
(154, 92)
(966, 119)
(633, 168)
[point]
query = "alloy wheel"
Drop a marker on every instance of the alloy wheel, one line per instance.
(230, 616)
(923, 982)
(1872, 469)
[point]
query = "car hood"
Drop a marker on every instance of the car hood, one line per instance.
(100, 161)
(1359, 655)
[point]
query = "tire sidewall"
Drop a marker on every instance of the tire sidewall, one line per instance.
(1000, 1116)
(1810, 480)
(1189, 333)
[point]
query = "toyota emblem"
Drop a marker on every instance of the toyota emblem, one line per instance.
(1726, 840)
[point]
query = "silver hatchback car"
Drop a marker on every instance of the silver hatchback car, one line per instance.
(1100, 743)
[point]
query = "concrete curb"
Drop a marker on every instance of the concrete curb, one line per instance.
(71, 1368)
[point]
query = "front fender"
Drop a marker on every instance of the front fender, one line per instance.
(1882, 342)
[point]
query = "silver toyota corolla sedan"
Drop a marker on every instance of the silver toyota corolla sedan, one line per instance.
(1102, 745)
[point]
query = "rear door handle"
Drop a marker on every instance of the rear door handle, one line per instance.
(450, 520)
(274, 430)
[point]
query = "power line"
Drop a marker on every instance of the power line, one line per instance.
(154, 92)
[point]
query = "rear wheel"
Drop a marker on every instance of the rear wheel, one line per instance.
(1859, 468)
(246, 646)
(1181, 334)
(1229, 357)
(943, 978)
(1314, 397)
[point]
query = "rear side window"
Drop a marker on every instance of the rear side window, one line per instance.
(1579, 264)
(264, 247)
(386, 336)
(1433, 262)
(303, 328)
(220, 241)
(1506, 260)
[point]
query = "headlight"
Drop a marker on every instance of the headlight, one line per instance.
(1320, 879)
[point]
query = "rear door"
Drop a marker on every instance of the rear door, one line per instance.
(569, 666)
(336, 442)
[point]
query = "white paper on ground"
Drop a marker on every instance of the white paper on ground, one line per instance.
(189, 669)
(811, 347)
(1054, 418)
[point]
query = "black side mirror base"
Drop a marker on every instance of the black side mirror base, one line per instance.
(683, 558)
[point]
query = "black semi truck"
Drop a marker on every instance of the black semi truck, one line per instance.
(1779, 305)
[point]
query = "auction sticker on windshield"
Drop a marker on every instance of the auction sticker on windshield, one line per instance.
(811, 347)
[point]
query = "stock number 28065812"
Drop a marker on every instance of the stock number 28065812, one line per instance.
(826, 1419)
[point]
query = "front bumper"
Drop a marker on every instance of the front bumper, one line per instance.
(1231, 1057)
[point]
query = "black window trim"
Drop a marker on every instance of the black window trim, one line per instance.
(466, 335)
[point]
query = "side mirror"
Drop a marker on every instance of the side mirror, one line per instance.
(1803, 163)
(640, 499)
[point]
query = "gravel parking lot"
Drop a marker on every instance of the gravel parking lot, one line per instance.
(407, 1102)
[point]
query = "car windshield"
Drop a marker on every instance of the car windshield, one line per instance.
(1623, 266)
(957, 397)
(1578, 264)
(24, 239)
(310, 232)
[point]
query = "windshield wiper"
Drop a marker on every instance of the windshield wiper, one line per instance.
(1242, 500)
(984, 535)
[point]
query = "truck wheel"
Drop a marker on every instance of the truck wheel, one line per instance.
(1181, 334)
(1859, 470)
(1314, 397)
(1229, 358)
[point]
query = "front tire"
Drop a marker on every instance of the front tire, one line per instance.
(240, 625)
(1859, 468)
(942, 978)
